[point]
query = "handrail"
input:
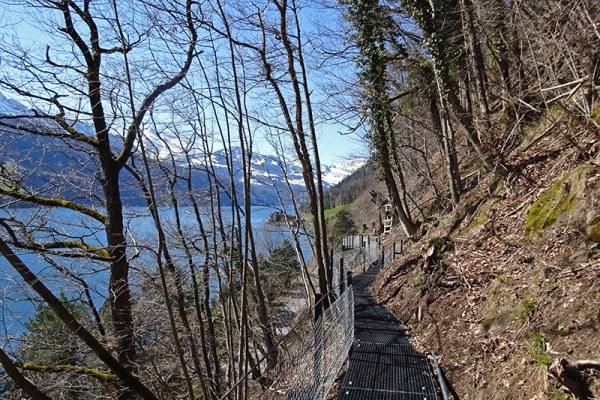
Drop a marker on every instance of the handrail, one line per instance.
(264, 357)
(438, 371)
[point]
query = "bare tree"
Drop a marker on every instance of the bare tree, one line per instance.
(79, 80)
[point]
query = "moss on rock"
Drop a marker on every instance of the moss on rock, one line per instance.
(559, 199)
(594, 230)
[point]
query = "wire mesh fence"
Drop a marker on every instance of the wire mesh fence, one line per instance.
(309, 371)
(311, 350)
(359, 252)
(310, 355)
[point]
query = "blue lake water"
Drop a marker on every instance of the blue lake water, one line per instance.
(17, 301)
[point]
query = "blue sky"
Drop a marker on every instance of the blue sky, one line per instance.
(334, 147)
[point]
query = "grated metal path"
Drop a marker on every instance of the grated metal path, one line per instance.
(383, 363)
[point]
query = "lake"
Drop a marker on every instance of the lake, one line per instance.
(17, 301)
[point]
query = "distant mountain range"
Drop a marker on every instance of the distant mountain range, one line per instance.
(54, 167)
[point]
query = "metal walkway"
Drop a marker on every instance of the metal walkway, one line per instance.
(383, 363)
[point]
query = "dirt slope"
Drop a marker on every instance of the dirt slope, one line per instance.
(508, 282)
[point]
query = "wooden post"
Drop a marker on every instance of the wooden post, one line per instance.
(330, 271)
(342, 277)
(330, 276)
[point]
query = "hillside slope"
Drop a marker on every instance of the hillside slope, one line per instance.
(506, 284)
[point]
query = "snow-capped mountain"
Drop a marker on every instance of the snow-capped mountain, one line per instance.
(335, 174)
(57, 167)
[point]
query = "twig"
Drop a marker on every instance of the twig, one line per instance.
(578, 81)
(534, 141)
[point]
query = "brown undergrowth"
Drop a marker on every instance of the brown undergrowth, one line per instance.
(499, 301)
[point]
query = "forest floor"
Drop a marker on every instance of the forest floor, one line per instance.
(506, 284)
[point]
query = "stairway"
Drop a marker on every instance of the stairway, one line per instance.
(388, 218)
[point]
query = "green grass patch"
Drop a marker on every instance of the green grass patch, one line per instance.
(332, 211)
(480, 218)
(328, 213)
(537, 349)
(523, 309)
(556, 394)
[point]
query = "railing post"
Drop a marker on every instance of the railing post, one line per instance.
(331, 255)
(330, 274)
(318, 306)
(397, 252)
(342, 278)
(349, 277)
(331, 266)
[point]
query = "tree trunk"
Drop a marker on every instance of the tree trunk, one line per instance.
(441, 124)
(476, 63)
(120, 295)
(388, 174)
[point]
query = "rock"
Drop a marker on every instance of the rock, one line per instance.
(591, 217)
(279, 217)
(593, 226)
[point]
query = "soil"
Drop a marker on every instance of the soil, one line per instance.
(500, 288)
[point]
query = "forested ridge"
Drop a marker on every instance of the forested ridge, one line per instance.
(482, 120)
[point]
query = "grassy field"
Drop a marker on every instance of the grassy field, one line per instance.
(328, 213)
(332, 211)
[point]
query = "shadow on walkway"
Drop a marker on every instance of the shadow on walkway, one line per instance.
(383, 363)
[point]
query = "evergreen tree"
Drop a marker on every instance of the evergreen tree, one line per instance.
(343, 225)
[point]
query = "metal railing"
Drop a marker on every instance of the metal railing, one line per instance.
(313, 350)
(359, 252)
(307, 367)
(440, 375)
(309, 372)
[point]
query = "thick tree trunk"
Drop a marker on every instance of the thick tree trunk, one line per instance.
(313, 137)
(466, 120)
(120, 294)
(464, 83)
